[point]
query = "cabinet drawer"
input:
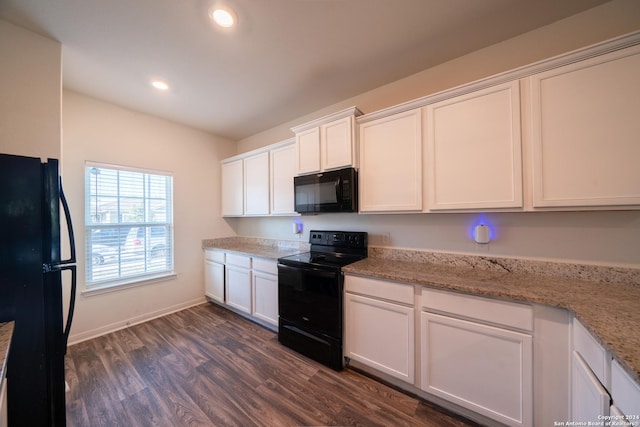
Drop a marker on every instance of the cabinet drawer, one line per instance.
(239, 260)
(624, 391)
(592, 352)
(391, 291)
(265, 265)
(519, 316)
(215, 256)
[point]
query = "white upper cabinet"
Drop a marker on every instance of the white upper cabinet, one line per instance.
(327, 143)
(282, 169)
(391, 163)
(586, 132)
(256, 184)
(232, 188)
(260, 182)
(308, 151)
(473, 155)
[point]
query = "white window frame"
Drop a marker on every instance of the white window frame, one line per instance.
(147, 270)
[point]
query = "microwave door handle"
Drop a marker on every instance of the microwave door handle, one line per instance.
(338, 189)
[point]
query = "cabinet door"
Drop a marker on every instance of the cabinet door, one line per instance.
(380, 335)
(214, 280)
(391, 163)
(265, 297)
(585, 131)
(256, 184)
(482, 368)
(473, 150)
(337, 144)
(239, 288)
(625, 392)
(232, 188)
(589, 399)
(308, 151)
(283, 169)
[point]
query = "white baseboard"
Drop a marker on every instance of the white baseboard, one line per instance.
(125, 323)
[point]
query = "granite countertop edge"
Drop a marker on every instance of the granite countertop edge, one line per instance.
(608, 311)
(6, 331)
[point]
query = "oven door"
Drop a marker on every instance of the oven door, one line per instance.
(311, 298)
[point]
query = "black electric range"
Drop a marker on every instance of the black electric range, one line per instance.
(310, 294)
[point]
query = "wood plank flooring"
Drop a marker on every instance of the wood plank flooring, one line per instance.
(207, 366)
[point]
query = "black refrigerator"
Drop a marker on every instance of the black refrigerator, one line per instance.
(32, 276)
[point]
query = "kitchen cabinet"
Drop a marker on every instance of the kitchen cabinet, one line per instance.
(625, 393)
(214, 275)
(473, 157)
(585, 131)
(379, 325)
(232, 188)
(256, 184)
(327, 143)
(260, 182)
(245, 284)
(282, 170)
(589, 398)
(600, 386)
(471, 356)
(238, 282)
(265, 290)
(391, 163)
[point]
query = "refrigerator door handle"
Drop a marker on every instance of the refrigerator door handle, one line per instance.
(72, 302)
(67, 216)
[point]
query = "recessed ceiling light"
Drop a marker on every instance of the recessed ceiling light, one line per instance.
(160, 85)
(222, 16)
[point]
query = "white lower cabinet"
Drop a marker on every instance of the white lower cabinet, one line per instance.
(248, 285)
(214, 275)
(380, 334)
(599, 384)
(238, 282)
(265, 290)
(480, 367)
(625, 392)
(589, 399)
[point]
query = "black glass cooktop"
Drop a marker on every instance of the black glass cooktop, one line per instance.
(321, 259)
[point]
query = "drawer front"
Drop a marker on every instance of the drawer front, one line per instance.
(265, 265)
(592, 352)
(215, 256)
(391, 291)
(239, 260)
(513, 315)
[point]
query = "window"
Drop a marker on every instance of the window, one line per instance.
(128, 225)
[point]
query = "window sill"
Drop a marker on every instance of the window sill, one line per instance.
(106, 288)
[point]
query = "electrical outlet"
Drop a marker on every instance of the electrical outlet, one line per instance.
(386, 238)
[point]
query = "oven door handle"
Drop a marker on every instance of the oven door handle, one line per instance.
(318, 272)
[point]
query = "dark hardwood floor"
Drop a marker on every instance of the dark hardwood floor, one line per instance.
(207, 366)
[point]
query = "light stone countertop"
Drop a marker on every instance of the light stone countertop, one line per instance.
(262, 248)
(6, 331)
(611, 311)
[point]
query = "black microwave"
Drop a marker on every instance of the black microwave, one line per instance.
(333, 191)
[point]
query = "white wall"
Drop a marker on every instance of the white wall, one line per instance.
(97, 131)
(30, 93)
(606, 238)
